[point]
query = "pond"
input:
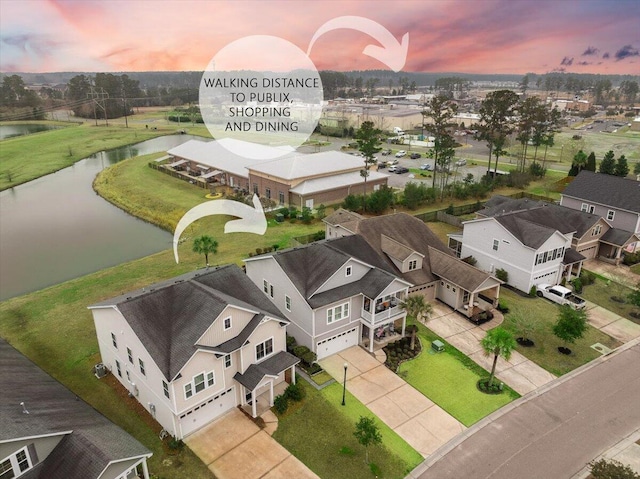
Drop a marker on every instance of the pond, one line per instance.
(9, 131)
(57, 228)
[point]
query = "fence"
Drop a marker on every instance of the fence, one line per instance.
(179, 175)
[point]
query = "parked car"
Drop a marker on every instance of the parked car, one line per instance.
(386, 152)
(382, 164)
(426, 167)
(415, 156)
(392, 162)
(400, 169)
(392, 168)
(461, 162)
(401, 153)
(560, 295)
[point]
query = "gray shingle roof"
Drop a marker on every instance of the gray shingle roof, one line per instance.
(572, 256)
(371, 285)
(617, 237)
(237, 342)
(609, 190)
(341, 216)
(457, 271)
(53, 409)
(269, 367)
(527, 232)
(499, 204)
(169, 317)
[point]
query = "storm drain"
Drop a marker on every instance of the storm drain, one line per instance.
(601, 348)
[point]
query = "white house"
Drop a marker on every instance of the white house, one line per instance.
(193, 347)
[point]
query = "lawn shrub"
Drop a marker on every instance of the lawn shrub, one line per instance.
(502, 275)
(533, 291)
(284, 212)
(294, 392)
(281, 403)
(309, 358)
(291, 343)
(503, 307)
(299, 351)
(470, 260)
(631, 258)
(587, 277)
(604, 469)
(577, 285)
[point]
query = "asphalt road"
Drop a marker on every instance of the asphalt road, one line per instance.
(553, 435)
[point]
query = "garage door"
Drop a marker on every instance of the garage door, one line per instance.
(206, 412)
(337, 343)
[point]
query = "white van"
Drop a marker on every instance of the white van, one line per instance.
(398, 131)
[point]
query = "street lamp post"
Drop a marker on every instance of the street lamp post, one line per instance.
(344, 385)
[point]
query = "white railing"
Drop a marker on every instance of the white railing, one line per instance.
(381, 315)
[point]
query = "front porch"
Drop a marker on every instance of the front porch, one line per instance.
(383, 320)
(264, 401)
(382, 335)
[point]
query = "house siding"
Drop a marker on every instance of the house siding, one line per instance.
(200, 362)
(340, 278)
(43, 445)
(623, 220)
(217, 335)
(336, 326)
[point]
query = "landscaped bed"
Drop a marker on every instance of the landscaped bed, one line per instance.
(319, 432)
(543, 315)
(449, 379)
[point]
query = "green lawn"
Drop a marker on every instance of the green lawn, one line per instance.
(544, 314)
(449, 380)
(27, 157)
(320, 434)
(601, 293)
(635, 268)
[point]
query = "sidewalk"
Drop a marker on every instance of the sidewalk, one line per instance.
(626, 452)
(620, 274)
(520, 373)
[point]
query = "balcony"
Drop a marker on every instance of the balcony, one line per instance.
(383, 313)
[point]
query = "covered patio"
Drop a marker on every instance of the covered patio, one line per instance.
(614, 242)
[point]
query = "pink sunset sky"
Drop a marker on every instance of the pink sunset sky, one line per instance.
(469, 36)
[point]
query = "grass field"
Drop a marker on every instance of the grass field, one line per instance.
(635, 268)
(449, 380)
(320, 434)
(544, 314)
(602, 291)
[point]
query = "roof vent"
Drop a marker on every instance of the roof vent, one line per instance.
(24, 408)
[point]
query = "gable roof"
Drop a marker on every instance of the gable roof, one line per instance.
(618, 237)
(304, 165)
(333, 182)
(457, 271)
(169, 317)
(342, 216)
(91, 442)
(566, 220)
(608, 190)
(272, 366)
(527, 232)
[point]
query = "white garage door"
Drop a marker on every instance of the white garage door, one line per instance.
(206, 412)
(337, 343)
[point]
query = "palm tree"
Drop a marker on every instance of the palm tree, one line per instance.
(498, 342)
(205, 245)
(417, 307)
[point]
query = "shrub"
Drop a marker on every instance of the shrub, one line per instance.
(291, 343)
(319, 235)
(299, 351)
(587, 277)
(306, 215)
(533, 291)
(294, 392)
(631, 258)
(352, 203)
(502, 275)
(309, 358)
(284, 212)
(258, 250)
(470, 260)
(612, 469)
(449, 209)
(314, 368)
(536, 169)
(281, 403)
(176, 444)
(577, 285)
(503, 307)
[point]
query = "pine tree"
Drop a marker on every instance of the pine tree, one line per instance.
(608, 164)
(591, 162)
(622, 169)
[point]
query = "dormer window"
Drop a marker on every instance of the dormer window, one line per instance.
(227, 323)
(413, 264)
(349, 270)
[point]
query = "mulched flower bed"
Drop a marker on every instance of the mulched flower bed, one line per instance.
(400, 351)
(483, 386)
(526, 342)
(564, 350)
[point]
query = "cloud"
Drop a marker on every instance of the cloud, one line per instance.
(606, 55)
(626, 52)
(590, 51)
(566, 61)
(585, 63)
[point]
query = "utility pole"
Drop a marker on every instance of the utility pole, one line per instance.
(124, 95)
(99, 99)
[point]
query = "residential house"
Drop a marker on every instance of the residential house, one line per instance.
(336, 293)
(614, 198)
(193, 347)
(47, 432)
(295, 179)
(411, 251)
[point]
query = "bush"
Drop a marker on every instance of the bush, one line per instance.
(309, 358)
(604, 469)
(503, 307)
(299, 351)
(380, 200)
(281, 403)
(291, 343)
(306, 215)
(176, 444)
(284, 212)
(294, 392)
(502, 275)
(631, 258)
(319, 235)
(577, 285)
(536, 169)
(517, 179)
(587, 277)
(470, 260)
(450, 209)
(533, 291)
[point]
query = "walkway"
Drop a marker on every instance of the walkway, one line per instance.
(552, 432)
(520, 373)
(612, 324)
(621, 274)
(415, 418)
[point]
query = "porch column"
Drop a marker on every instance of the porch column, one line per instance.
(618, 254)
(371, 331)
(271, 394)
(579, 269)
(404, 324)
(145, 470)
(254, 400)
(293, 374)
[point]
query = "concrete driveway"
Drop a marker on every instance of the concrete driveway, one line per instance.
(612, 324)
(520, 373)
(415, 418)
(234, 447)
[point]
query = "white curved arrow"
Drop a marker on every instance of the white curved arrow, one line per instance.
(252, 219)
(392, 53)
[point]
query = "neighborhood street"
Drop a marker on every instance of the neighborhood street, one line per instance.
(551, 433)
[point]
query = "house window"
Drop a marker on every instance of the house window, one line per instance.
(227, 361)
(165, 389)
(128, 375)
(271, 290)
(188, 390)
(495, 244)
(130, 355)
(141, 364)
(413, 264)
(255, 188)
(349, 270)
(584, 207)
(265, 286)
(211, 379)
(597, 230)
(6, 470)
(15, 464)
(118, 368)
(465, 297)
(113, 341)
(227, 323)
(281, 197)
(287, 302)
(264, 349)
(267, 192)
(198, 382)
(337, 313)
(610, 215)
(592, 209)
